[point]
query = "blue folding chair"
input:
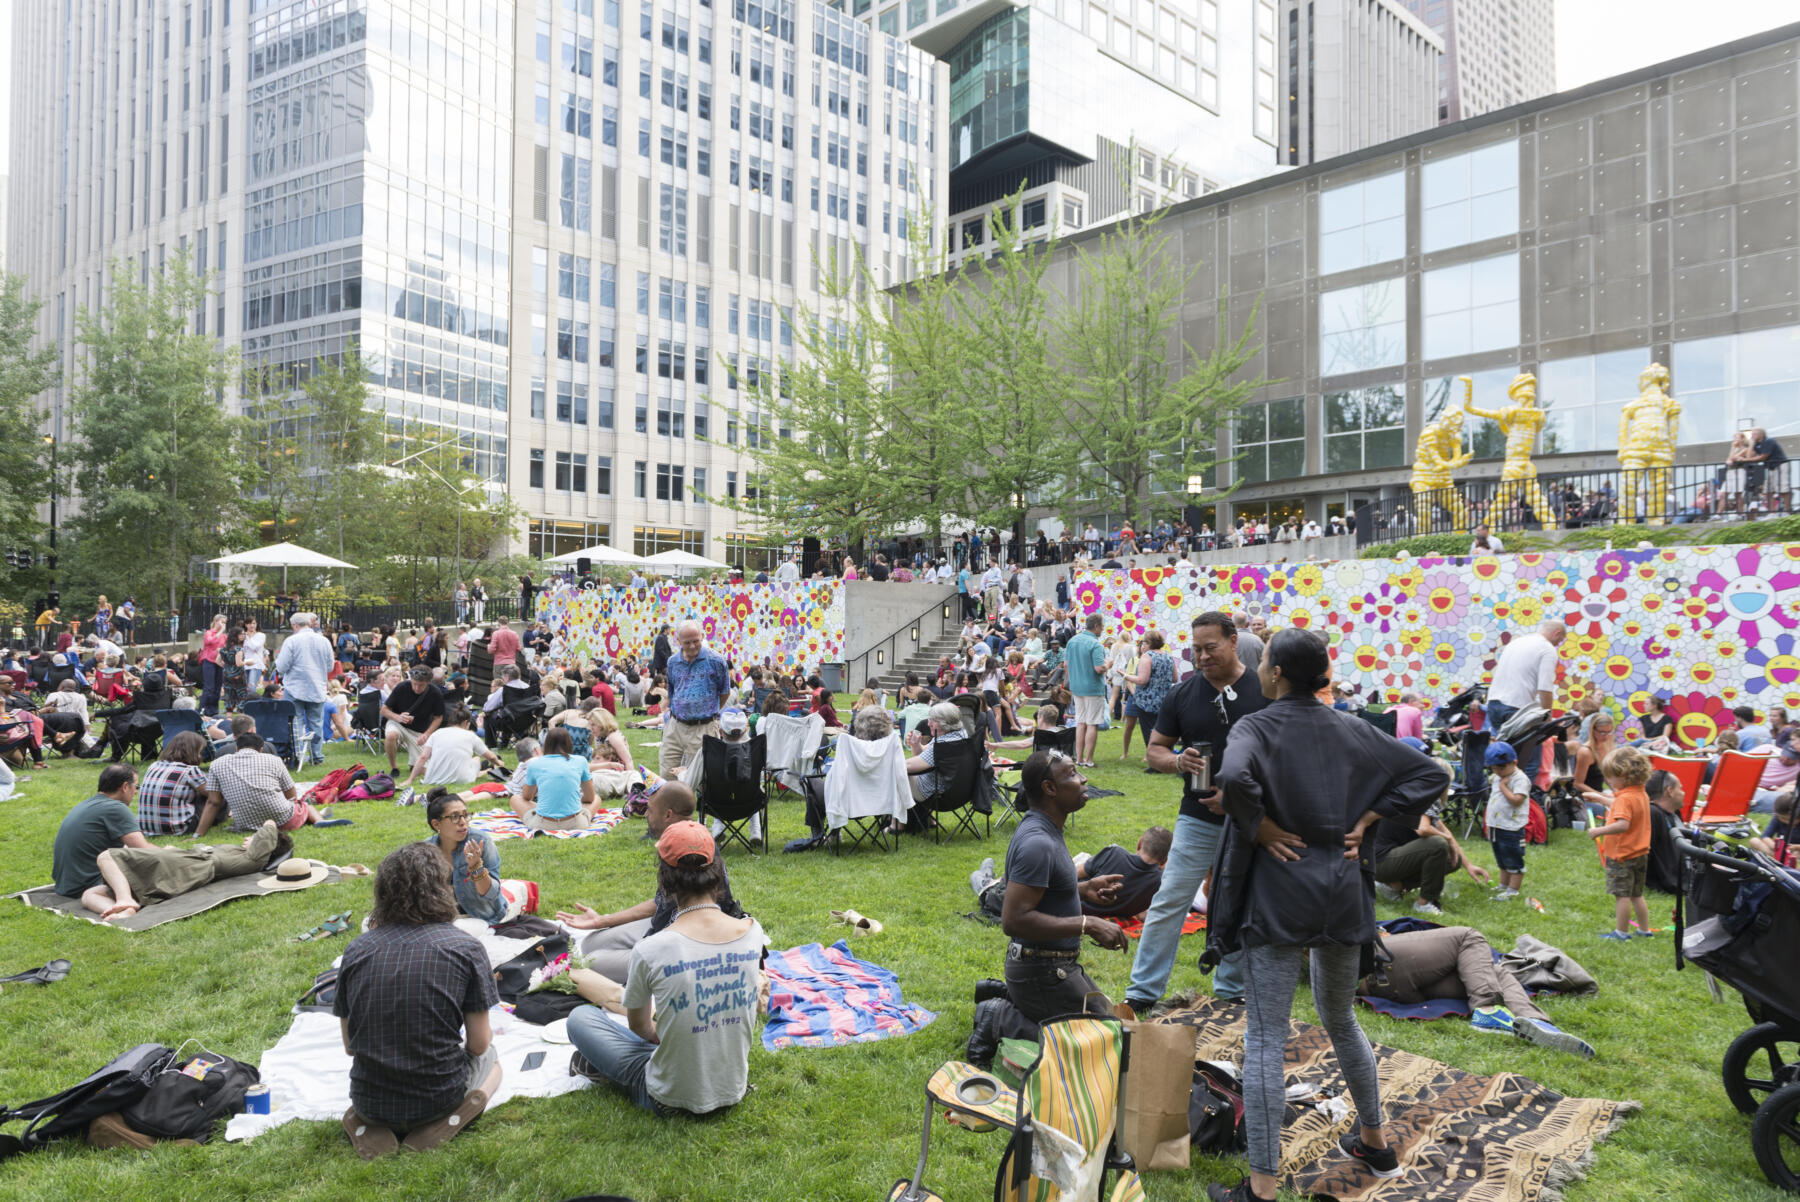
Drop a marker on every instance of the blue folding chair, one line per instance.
(175, 722)
(275, 724)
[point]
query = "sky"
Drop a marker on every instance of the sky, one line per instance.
(1595, 39)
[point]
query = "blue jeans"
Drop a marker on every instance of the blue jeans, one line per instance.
(616, 1052)
(212, 679)
(1191, 857)
(310, 721)
(1498, 714)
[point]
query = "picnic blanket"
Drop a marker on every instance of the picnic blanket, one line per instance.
(1460, 1137)
(1133, 927)
(183, 905)
(820, 997)
(504, 824)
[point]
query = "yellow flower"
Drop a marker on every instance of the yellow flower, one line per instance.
(1308, 579)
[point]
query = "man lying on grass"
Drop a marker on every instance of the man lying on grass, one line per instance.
(609, 949)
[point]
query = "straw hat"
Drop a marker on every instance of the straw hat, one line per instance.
(295, 874)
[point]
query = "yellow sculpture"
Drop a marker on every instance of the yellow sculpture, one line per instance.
(1647, 432)
(1521, 421)
(1439, 454)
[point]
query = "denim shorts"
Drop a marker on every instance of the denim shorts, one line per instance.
(1509, 849)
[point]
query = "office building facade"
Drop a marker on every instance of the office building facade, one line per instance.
(1579, 237)
(1497, 53)
(545, 224)
(1356, 73)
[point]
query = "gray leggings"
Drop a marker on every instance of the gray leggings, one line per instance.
(1272, 973)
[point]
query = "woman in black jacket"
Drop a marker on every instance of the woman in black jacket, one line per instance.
(1302, 782)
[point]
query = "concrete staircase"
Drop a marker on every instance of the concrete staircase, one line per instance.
(924, 661)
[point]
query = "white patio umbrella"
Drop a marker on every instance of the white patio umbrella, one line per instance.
(599, 553)
(686, 561)
(283, 556)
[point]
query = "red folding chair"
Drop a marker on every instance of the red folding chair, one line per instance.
(1733, 788)
(1691, 772)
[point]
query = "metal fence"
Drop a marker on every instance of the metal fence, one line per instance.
(1686, 493)
(271, 615)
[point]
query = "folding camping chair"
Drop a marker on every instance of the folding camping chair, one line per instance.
(1691, 772)
(1386, 721)
(957, 764)
(793, 749)
(175, 722)
(1062, 739)
(731, 789)
(874, 788)
(275, 724)
(365, 722)
(1733, 788)
(1076, 1087)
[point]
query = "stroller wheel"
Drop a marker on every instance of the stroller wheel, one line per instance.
(1775, 1137)
(1760, 1061)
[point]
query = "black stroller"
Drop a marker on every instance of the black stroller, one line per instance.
(1742, 924)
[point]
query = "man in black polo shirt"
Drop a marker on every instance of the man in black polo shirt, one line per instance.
(1199, 710)
(412, 712)
(1042, 913)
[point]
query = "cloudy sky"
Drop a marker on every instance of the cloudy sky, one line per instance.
(1594, 38)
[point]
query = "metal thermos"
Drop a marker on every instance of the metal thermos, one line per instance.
(1201, 781)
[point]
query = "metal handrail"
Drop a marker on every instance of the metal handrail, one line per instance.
(886, 642)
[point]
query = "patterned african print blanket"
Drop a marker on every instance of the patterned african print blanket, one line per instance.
(820, 997)
(1460, 1137)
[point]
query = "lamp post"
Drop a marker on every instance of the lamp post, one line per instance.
(1017, 501)
(1196, 486)
(50, 560)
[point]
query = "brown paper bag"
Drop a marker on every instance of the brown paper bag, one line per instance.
(1158, 1081)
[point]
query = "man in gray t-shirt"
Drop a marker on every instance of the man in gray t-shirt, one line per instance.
(1249, 646)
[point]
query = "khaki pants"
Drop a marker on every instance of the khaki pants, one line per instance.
(681, 745)
(1450, 962)
(159, 873)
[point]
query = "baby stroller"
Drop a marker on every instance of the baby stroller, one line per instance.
(1741, 924)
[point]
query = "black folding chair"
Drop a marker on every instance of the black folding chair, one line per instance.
(365, 722)
(515, 719)
(275, 724)
(1062, 739)
(957, 765)
(1385, 721)
(731, 789)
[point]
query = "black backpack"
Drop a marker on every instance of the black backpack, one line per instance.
(110, 1089)
(189, 1096)
(513, 978)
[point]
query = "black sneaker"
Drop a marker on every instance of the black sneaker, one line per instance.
(579, 1067)
(1380, 1161)
(989, 987)
(1241, 1192)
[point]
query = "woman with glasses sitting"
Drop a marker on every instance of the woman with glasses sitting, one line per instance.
(474, 864)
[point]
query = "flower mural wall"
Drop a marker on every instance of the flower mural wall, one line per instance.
(787, 626)
(1705, 628)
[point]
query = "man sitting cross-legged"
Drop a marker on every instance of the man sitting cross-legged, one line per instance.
(609, 948)
(254, 786)
(413, 999)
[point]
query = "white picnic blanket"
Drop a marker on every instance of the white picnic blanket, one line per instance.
(308, 1071)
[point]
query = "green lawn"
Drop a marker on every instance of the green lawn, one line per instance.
(832, 1124)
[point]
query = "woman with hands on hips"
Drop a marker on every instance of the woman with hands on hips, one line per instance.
(1301, 784)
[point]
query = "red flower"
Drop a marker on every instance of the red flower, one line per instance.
(1698, 718)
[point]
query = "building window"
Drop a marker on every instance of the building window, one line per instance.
(1736, 382)
(1071, 214)
(1271, 440)
(1471, 307)
(638, 471)
(536, 477)
(699, 486)
(603, 475)
(1582, 396)
(1471, 197)
(572, 275)
(1363, 223)
(668, 482)
(1365, 428)
(1484, 440)
(562, 471)
(1364, 327)
(537, 397)
(571, 402)
(1263, 68)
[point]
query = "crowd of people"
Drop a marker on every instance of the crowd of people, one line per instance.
(1290, 855)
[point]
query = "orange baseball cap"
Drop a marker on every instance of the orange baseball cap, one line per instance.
(683, 839)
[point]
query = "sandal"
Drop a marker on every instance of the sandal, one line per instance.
(857, 923)
(337, 924)
(56, 970)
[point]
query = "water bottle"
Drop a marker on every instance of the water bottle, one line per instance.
(1201, 781)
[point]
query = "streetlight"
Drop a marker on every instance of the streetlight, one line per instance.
(50, 560)
(1017, 502)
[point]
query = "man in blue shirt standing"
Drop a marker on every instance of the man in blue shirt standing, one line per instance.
(962, 587)
(303, 663)
(699, 684)
(1086, 659)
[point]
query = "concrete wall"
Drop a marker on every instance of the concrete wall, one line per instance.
(874, 610)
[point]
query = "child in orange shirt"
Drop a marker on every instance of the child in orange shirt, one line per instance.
(1625, 839)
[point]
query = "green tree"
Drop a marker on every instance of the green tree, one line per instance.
(1023, 453)
(24, 374)
(154, 459)
(1144, 406)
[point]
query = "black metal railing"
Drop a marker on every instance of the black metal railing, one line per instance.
(1679, 495)
(271, 615)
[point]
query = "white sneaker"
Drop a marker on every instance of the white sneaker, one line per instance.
(1505, 894)
(405, 798)
(1386, 893)
(1425, 907)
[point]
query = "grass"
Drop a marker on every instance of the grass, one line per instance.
(822, 1124)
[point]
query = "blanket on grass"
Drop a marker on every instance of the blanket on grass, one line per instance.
(185, 905)
(820, 997)
(1460, 1137)
(308, 1072)
(504, 824)
(1193, 924)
